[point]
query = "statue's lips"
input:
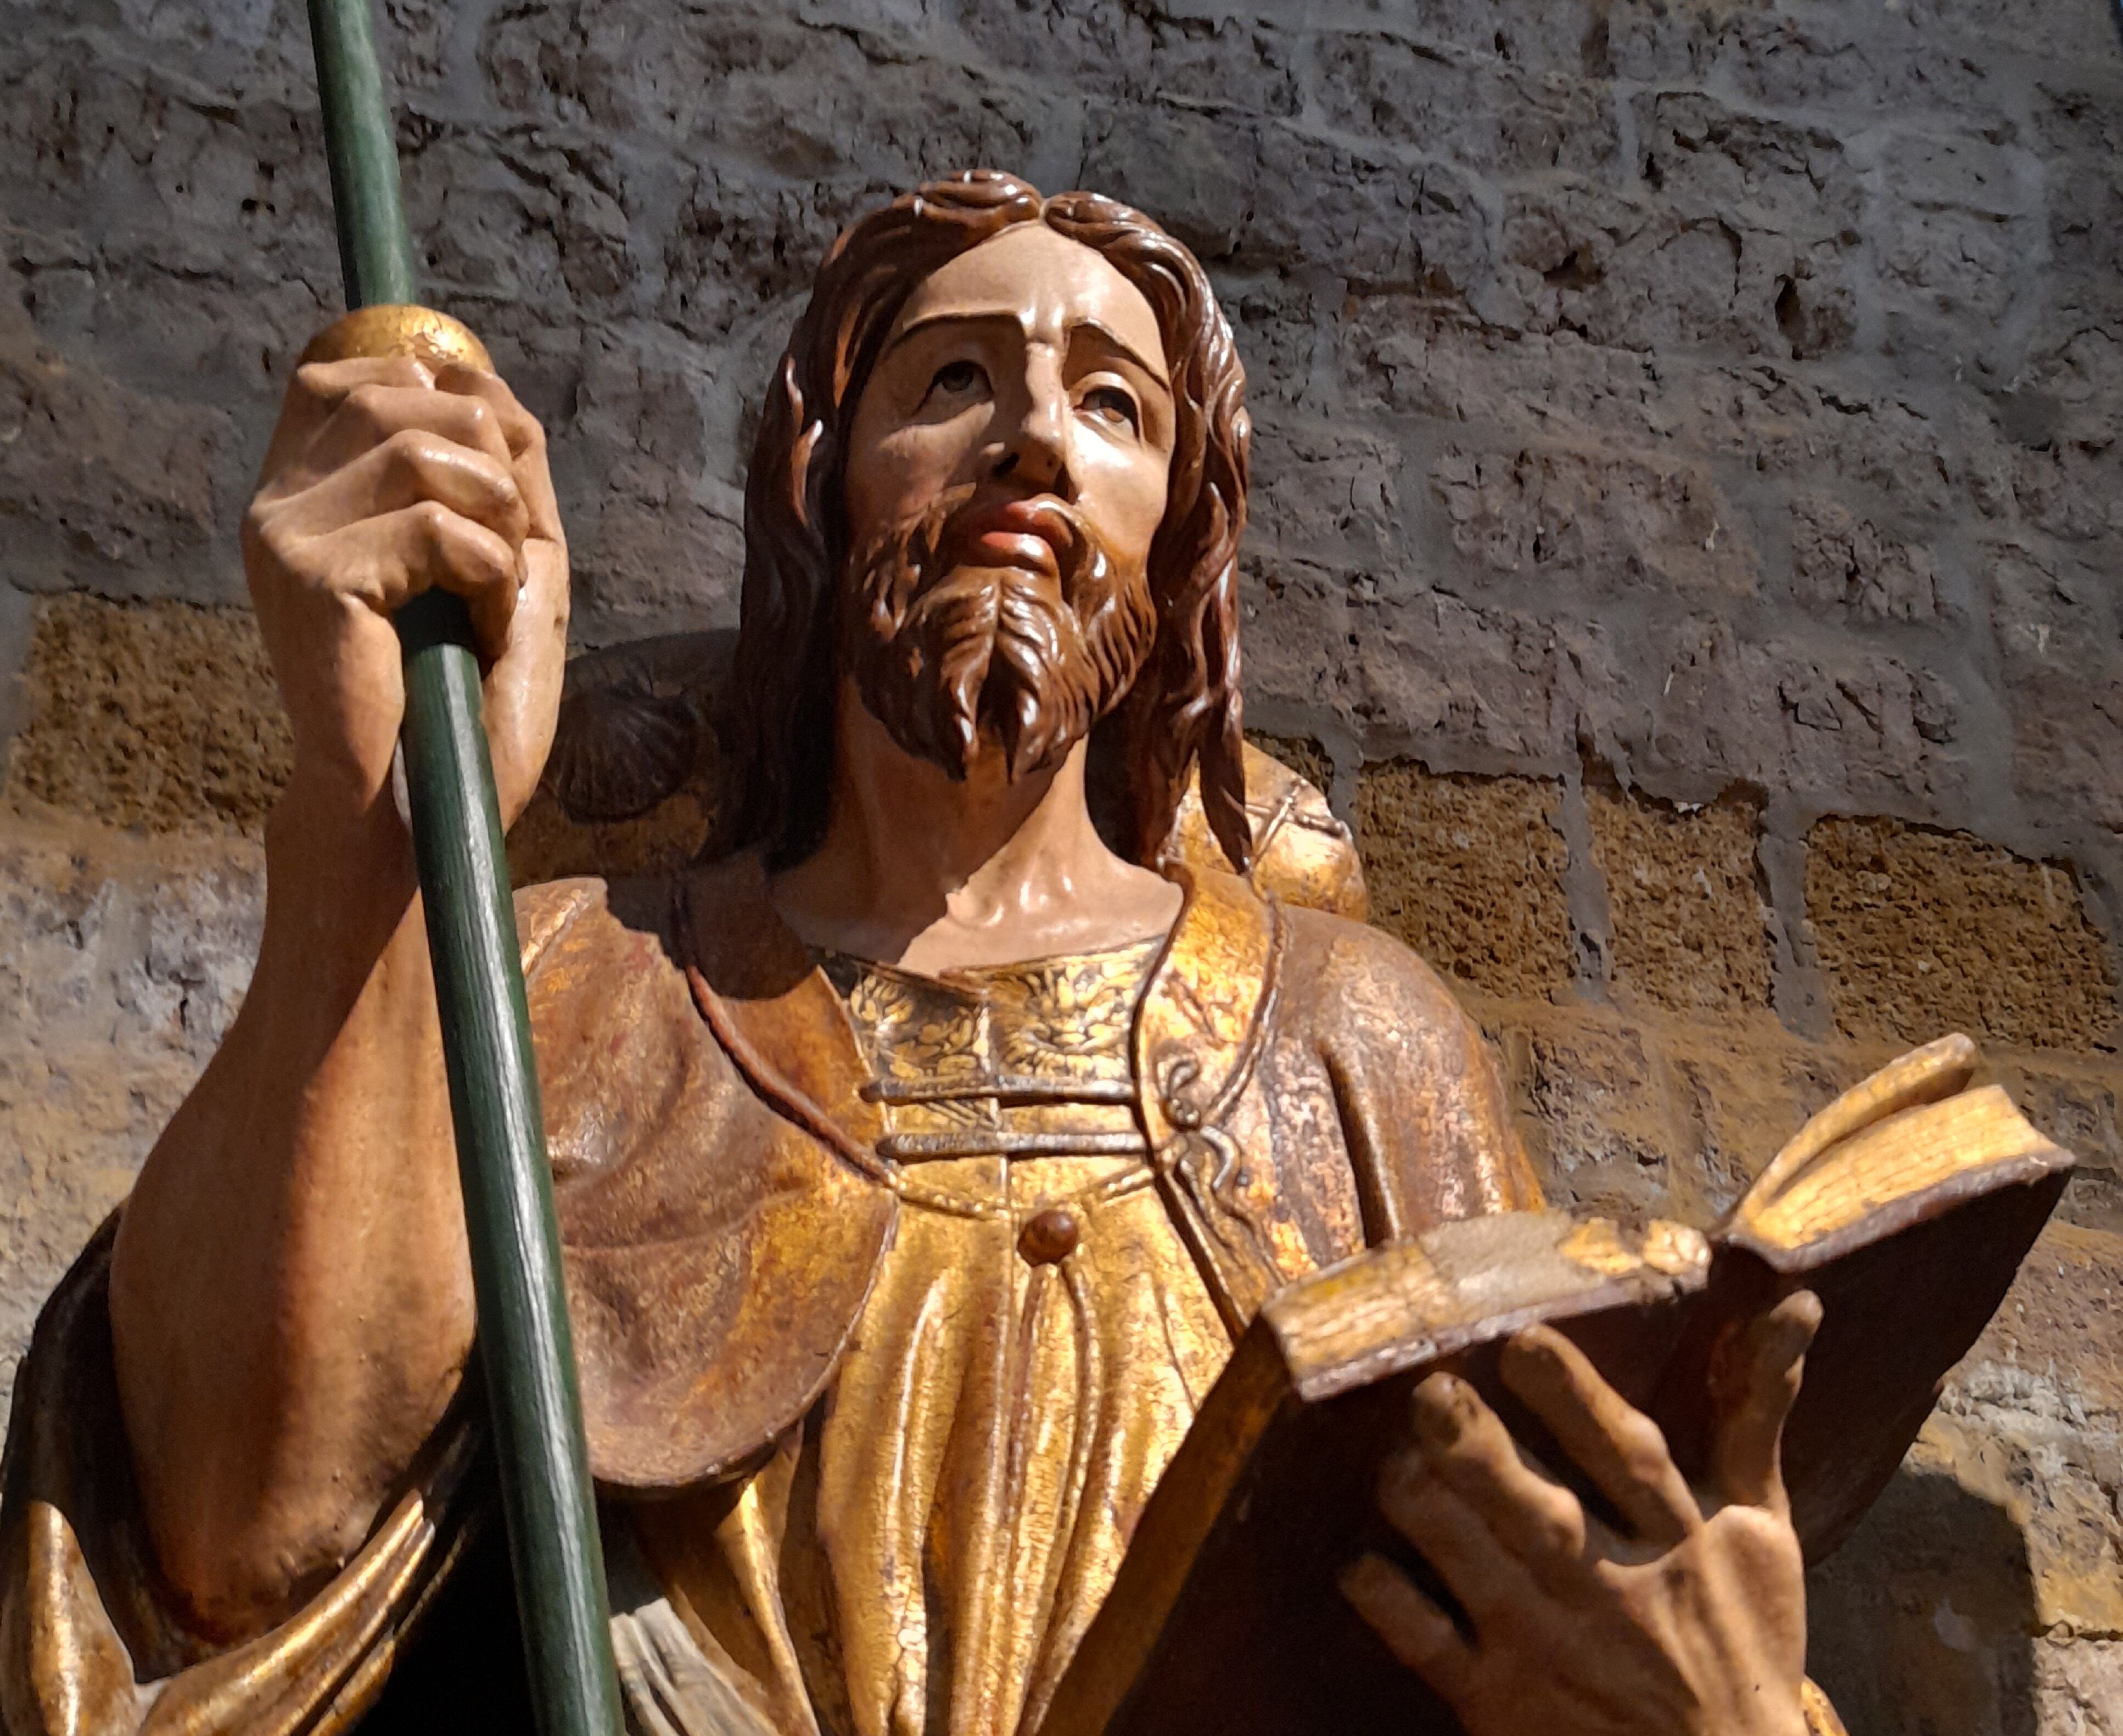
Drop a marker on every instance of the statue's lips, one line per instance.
(1029, 534)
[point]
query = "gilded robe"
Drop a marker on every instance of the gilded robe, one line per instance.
(871, 1424)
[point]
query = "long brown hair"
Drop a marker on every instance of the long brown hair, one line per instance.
(1184, 707)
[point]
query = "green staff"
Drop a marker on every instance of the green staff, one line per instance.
(524, 1342)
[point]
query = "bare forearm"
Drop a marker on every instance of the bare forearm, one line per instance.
(290, 1296)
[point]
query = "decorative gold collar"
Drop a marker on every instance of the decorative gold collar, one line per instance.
(1197, 1028)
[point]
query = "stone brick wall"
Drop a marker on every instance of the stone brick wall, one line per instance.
(1687, 511)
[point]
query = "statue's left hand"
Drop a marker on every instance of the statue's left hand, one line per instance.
(1691, 1623)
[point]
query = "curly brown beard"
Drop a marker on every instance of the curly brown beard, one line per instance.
(946, 656)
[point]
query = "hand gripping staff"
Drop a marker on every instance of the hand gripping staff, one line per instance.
(524, 1342)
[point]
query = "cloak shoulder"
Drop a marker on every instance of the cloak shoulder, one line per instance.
(1422, 1107)
(718, 1251)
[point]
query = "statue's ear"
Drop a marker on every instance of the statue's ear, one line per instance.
(1302, 854)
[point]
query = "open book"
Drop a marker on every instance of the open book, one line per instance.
(1906, 1205)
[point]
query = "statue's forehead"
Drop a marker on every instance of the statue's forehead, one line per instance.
(1044, 281)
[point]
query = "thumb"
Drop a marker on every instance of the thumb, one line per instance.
(1754, 1382)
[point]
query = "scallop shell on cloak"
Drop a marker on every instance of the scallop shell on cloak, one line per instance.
(618, 752)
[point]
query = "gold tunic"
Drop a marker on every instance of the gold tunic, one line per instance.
(1025, 1377)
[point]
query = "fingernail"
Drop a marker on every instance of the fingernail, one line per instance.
(1801, 1309)
(1439, 1409)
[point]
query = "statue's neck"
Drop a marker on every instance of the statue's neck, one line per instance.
(931, 874)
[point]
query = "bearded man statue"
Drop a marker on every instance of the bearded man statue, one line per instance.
(918, 1160)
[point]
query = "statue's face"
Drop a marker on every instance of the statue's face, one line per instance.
(1032, 345)
(1006, 476)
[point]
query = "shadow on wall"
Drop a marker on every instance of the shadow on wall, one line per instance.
(1923, 1623)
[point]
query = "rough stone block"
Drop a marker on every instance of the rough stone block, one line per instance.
(2079, 1685)
(2067, 741)
(1298, 637)
(1469, 872)
(1923, 933)
(2077, 1106)
(105, 487)
(1740, 1088)
(1829, 433)
(1956, 171)
(2057, 627)
(1952, 279)
(2072, 381)
(1800, 57)
(1230, 60)
(1838, 722)
(1494, 680)
(1279, 327)
(2068, 34)
(732, 252)
(1325, 494)
(1647, 1113)
(1469, 107)
(2069, 489)
(1546, 36)
(1686, 918)
(1415, 664)
(507, 226)
(1409, 356)
(2074, 113)
(766, 89)
(1602, 1141)
(1594, 524)
(1377, 223)
(1749, 239)
(656, 548)
(1844, 563)
(155, 715)
(122, 964)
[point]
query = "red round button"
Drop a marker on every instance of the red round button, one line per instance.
(1050, 1236)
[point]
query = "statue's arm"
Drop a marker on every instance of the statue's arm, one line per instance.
(1423, 1112)
(290, 1295)
(1690, 1617)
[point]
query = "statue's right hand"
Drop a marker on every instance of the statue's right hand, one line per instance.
(385, 478)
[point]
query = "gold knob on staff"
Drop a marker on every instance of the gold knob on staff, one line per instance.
(385, 329)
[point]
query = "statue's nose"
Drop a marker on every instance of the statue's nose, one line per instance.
(1036, 451)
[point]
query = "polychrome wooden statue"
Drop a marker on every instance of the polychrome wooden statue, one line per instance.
(919, 1159)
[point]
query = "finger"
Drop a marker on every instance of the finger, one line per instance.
(470, 560)
(413, 466)
(330, 382)
(432, 546)
(1466, 1446)
(522, 688)
(1453, 1537)
(1415, 1630)
(527, 442)
(369, 415)
(1621, 1449)
(317, 390)
(1754, 1383)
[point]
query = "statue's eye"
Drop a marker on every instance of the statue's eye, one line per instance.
(1114, 402)
(955, 379)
